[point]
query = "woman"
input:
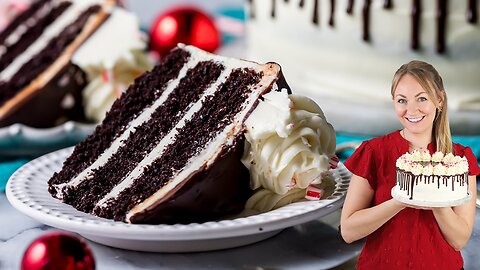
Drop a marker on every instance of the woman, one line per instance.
(402, 236)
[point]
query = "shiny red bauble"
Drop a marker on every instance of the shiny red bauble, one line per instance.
(58, 250)
(186, 25)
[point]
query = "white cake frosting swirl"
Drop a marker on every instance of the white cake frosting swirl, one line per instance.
(112, 58)
(289, 144)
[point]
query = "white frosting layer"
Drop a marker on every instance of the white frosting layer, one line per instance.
(21, 29)
(53, 30)
(335, 64)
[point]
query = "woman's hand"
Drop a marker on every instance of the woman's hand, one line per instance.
(414, 206)
(359, 218)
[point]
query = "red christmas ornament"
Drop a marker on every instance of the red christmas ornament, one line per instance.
(58, 251)
(187, 25)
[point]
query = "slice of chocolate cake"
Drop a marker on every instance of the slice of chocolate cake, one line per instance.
(40, 84)
(169, 150)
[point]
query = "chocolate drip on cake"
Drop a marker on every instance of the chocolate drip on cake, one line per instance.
(441, 25)
(137, 97)
(145, 138)
(32, 33)
(407, 181)
(221, 108)
(416, 13)
(331, 20)
(388, 4)
(274, 7)
(350, 7)
(472, 15)
(45, 58)
(366, 20)
(316, 15)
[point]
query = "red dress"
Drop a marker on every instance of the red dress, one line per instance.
(412, 238)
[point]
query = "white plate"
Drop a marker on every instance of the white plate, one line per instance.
(21, 140)
(27, 191)
(422, 203)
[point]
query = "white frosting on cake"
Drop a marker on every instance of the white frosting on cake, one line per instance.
(53, 30)
(289, 145)
(432, 180)
(332, 64)
(115, 48)
(21, 29)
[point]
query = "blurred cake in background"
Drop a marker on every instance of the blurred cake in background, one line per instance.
(55, 49)
(344, 54)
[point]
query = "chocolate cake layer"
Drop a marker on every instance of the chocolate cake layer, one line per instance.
(145, 90)
(31, 35)
(21, 19)
(52, 105)
(146, 137)
(30, 70)
(217, 111)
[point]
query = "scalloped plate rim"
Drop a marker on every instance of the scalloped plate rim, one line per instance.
(281, 218)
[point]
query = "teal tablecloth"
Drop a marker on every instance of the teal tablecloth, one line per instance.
(7, 168)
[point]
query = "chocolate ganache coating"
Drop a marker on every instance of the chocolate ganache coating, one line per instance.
(207, 194)
(441, 18)
(59, 100)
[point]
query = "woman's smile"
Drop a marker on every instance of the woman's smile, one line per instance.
(415, 119)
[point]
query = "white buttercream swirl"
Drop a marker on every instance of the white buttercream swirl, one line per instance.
(106, 85)
(451, 170)
(289, 144)
(425, 155)
(416, 155)
(437, 156)
(112, 58)
(448, 164)
(448, 158)
(428, 170)
(439, 169)
(417, 169)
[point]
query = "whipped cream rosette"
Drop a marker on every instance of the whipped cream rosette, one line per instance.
(111, 62)
(289, 144)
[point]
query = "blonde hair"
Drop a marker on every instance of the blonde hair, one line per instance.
(428, 77)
